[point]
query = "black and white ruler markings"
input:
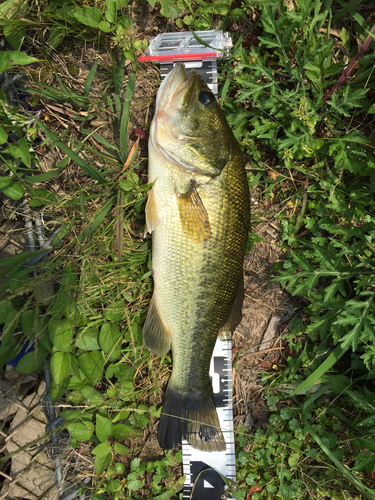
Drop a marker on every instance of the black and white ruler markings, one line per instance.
(206, 69)
(201, 468)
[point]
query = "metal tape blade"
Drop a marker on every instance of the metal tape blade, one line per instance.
(206, 69)
(203, 470)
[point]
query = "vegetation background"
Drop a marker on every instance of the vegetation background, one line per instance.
(75, 107)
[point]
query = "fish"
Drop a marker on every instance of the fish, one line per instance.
(198, 213)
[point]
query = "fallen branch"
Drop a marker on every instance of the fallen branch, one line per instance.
(351, 65)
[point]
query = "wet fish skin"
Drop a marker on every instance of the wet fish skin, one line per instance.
(198, 213)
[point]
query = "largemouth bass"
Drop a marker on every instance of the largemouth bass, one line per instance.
(198, 212)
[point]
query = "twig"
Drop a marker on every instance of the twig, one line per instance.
(351, 65)
(273, 309)
(257, 353)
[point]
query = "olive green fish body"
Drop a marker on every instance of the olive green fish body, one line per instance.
(199, 218)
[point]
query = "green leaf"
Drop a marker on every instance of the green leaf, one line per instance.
(102, 462)
(115, 311)
(121, 415)
(56, 36)
(104, 428)
(88, 339)
(98, 219)
(135, 485)
(355, 314)
(6, 307)
(167, 494)
(11, 188)
(21, 58)
(81, 431)
(111, 11)
(119, 468)
(27, 324)
(110, 340)
(11, 323)
(319, 372)
(90, 78)
(34, 179)
(71, 415)
(169, 9)
(56, 391)
(67, 13)
(120, 449)
(120, 223)
(124, 123)
(3, 135)
(7, 353)
(92, 364)
(10, 9)
(350, 98)
(61, 334)
(79, 381)
(90, 16)
(102, 449)
(92, 396)
(13, 57)
(60, 366)
(103, 141)
(73, 442)
(121, 371)
(294, 459)
(104, 26)
(123, 432)
(32, 361)
(4, 61)
(20, 150)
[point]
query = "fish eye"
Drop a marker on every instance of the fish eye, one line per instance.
(206, 98)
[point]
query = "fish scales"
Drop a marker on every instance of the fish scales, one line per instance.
(199, 221)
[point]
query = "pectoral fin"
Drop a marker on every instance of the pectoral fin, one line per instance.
(151, 216)
(235, 316)
(156, 337)
(193, 214)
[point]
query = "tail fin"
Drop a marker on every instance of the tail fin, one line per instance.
(190, 416)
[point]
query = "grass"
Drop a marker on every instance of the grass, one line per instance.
(310, 146)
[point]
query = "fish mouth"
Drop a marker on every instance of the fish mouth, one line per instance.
(175, 94)
(176, 90)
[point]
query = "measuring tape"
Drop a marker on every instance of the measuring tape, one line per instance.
(203, 470)
(205, 69)
(201, 467)
(171, 48)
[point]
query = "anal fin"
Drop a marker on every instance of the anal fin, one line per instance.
(235, 316)
(156, 337)
(193, 214)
